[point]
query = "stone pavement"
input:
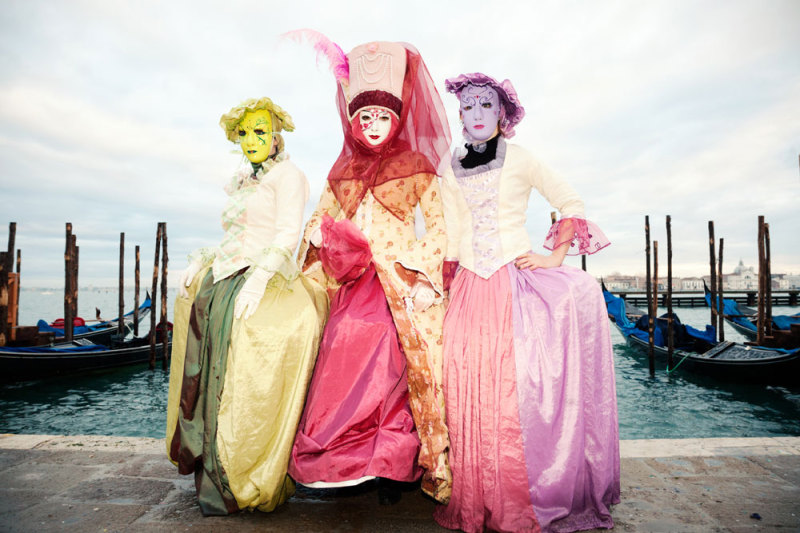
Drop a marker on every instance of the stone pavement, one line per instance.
(108, 484)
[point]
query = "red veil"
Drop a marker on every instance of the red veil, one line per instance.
(421, 145)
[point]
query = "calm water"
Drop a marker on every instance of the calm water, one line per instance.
(132, 401)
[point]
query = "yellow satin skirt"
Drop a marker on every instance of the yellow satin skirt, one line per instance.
(270, 362)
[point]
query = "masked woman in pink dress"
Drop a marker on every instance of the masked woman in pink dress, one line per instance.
(529, 374)
(375, 407)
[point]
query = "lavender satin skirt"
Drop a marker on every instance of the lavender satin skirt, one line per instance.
(531, 403)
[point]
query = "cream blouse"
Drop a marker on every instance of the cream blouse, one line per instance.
(484, 207)
(262, 220)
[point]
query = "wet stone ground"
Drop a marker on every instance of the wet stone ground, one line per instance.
(109, 484)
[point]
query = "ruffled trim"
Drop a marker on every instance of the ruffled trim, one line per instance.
(204, 256)
(586, 237)
(494, 164)
(276, 259)
(245, 177)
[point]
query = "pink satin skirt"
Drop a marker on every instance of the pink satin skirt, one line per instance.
(357, 422)
(531, 403)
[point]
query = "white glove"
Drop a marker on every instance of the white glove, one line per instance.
(251, 293)
(316, 237)
(423, 295)
(187, 277)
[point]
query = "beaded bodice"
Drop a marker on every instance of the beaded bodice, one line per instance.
(480, 186)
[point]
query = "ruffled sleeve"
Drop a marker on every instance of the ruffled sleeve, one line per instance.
(205, 256)
(584, 236)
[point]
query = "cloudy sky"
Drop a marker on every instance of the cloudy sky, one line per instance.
(109, 112)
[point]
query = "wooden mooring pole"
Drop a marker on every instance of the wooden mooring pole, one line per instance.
(12, 237)
(720, 305)
(136, 295)
(655, 287)
(650, 323)
(670, 327)
(153, 300)
(164, 328)
(121, 296)
(767, 284)
(5, 334)
(19, 283)
(7, 265)
(76, 251)
(761, 284)
(68, 290)
(712, 261)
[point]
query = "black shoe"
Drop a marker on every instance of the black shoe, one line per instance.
(388, 492)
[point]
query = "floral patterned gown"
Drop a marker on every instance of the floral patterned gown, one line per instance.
(356, 425)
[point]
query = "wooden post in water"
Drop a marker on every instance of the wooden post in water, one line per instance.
(767, 284)
(713, 281)
(153, 300)
(76, 250)
(650, 324)
(68, 284)
(19, 282)
(583, 262)
(720, 304)
(670, 328)
(12, 237)
(655, 286)
(136, 295)
(5, 334)
(552, 217)
(8, 267)
(121, 296)
(164, 329)
(761, 286)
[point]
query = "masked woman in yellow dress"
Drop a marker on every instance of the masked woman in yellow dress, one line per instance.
(247, 327)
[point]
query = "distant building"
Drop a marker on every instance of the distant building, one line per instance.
(786, 281)
(743, 278)
(691, 284)
(617, 282)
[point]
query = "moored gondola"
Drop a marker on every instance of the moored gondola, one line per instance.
(79, 356)
(696, 351)
(745, 321)
(100, 333)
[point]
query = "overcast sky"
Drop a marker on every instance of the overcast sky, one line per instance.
(109, 115)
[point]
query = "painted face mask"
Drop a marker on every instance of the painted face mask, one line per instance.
(255, 135)
(480, 111)
(375, 124)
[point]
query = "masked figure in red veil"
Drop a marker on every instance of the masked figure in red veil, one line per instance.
(375, 407)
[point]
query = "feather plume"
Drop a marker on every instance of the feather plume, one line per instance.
(324, 47)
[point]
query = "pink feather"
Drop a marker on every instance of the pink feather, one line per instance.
(324, 46)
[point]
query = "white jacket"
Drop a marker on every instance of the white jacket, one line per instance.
(485, 209)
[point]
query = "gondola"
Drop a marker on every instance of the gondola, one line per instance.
(79, 356)
(745, 320)
(102, 332)
(696, 351)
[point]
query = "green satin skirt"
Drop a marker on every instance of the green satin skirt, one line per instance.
(237, 388)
